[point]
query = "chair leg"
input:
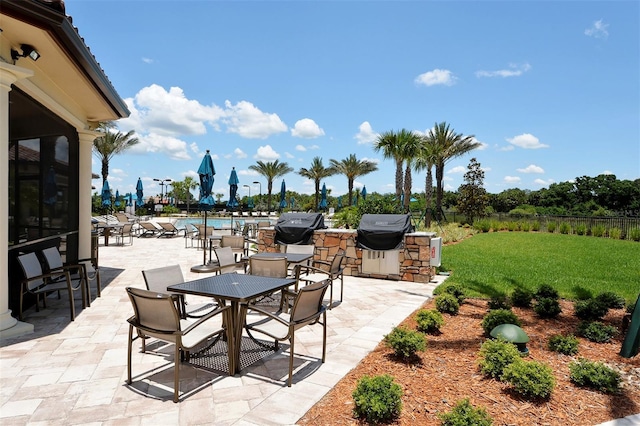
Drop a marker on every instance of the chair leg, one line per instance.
(72, 304)
(176, 373)
(291, 359)
(129, 345)
(324, 335)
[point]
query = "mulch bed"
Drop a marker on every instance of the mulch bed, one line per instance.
(448, 372)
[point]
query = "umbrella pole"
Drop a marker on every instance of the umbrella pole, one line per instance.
(204, 241)
(205, 267)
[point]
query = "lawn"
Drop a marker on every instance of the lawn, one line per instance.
(577, 266)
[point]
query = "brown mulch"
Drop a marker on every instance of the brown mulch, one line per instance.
(447, 372)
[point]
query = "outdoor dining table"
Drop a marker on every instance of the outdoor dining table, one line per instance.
(106, 230)
(238, 290)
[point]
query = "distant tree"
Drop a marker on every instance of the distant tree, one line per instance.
(472, 197)
(351, 167)
(410, 146)
(389, 144)
(182, 190)
(426, 159)
(316, 173)
(271, 171)
(111, 142)
(219, 196)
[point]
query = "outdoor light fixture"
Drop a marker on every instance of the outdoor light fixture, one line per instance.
(513, 334)
(27, 50)
(162, 184)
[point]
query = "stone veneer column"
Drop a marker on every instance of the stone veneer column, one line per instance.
(9, 326)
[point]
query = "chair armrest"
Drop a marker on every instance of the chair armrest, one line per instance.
(269, 314)
(205, 318)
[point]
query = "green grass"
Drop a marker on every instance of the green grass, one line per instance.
(577, 266)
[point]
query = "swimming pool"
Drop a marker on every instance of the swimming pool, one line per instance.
(216, 222)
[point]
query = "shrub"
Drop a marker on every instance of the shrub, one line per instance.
(526, 226)
(535, 226)
(590, 309)
(463, 413)
(530, 379)
(598, 231)
(581, 229)
(611, 300)
(567, 345)
(405, 343)
(483, 225)
(499, 301)
(547, 307)
(377, 399)
(634, 234)
(615, 233)
(496, 355)
(546, 291)
(454, 289)
(521, 297)
(596, 331)
(448, 304)
(551, 227)
(429, 321)
(594, 375)
(497, 317)
(565, 228)
(511, 226)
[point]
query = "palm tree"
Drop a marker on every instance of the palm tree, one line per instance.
(270, 171)
(182, 189)
(409, 144)
(388, 143)
(316, 172)
(351, 167)
(111, 143)
(425, 159)
(450, 145)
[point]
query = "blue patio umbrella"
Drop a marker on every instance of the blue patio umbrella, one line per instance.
(233, 189)
(250, 202)
(50, 187)
(117, 202)
(283, 195)
(292, 202)
(139, 193)
(129, 199)
(106, 194)
(340, 202)
(364, 192)
(206, 171)
(323, 198)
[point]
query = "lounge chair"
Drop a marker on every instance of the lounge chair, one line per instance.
(150, 229)
(156, 315)
(307, 310)
(169, 230)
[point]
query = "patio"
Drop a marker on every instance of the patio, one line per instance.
(71, 373)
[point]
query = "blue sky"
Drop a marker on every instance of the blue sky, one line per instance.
(550, 88)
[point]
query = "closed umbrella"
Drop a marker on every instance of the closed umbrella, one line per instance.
(106, 194)
(233, 189)
(117, 203)
(364, 192)
(283, 195)
(139, 193)
(206, 171)
(323, 198)
(129, 198)
(292, 202)
(250, 202)
(340, 202)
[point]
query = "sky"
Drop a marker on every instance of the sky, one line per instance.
(550, 89)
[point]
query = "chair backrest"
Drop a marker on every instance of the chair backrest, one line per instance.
(154, 311)
(336, 263)
(233, 241)
(158, 279)
(301, 248)
(264, 224)
(268, 266)
(126, 229)
(31, 268)
(53, 258)
(122, 217)
(308, 302)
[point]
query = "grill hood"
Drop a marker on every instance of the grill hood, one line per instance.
(383, 231)
(297, 228)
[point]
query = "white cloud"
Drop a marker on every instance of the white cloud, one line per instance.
(249, 122)
(289, 155)
(306, 129)
(597, 30)
(300, 148)
(543, 182)
(526, 141)
(436, 77)
(248, 172)
(531, 168)
(607, 172)
(365, 133)
(155, 110)
(174, 148)
(147, 60)
(373, 160)
(457, 169)
(266, 153)
(505, 148)
(239, 153)
(511, 179)
(514, 70)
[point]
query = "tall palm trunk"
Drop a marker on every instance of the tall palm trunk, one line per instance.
(439, 189)
(428, 193)
(407, 188)
(399, 182)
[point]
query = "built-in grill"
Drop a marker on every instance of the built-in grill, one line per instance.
(298, 228)
(381, 237)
